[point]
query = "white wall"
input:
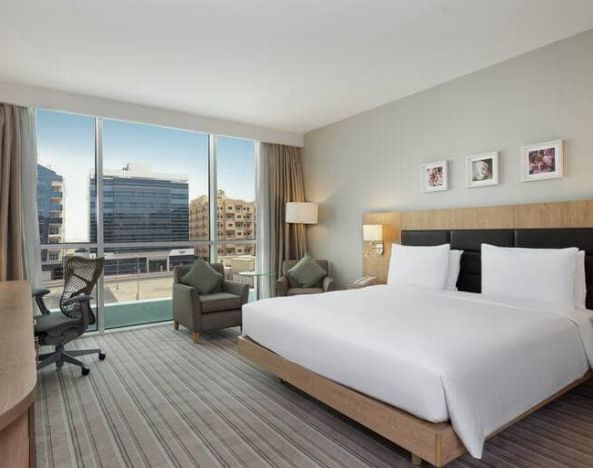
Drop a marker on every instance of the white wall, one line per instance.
(371, 162)
(31, 96)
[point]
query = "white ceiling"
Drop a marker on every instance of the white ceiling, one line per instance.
(293, 65)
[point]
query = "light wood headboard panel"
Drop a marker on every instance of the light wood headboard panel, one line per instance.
(571, 214)
(496, 217)
(377, 265)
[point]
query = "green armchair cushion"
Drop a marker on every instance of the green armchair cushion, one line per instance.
(203, 277)
(307, 272)
(300, 291)
(219, 301)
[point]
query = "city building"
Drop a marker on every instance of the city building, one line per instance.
(50, 208)
(141, 206)
(235, 221)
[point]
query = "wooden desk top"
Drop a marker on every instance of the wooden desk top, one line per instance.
(18, 373)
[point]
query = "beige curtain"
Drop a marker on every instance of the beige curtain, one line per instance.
(11, 246)
(287, 241)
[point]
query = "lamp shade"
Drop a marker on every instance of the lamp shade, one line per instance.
(301, 212)
(372, 232)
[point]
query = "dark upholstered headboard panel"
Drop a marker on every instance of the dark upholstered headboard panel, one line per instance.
(469, 241)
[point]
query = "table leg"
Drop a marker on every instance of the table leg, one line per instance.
(256, 287)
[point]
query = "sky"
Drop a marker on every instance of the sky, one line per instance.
(66, 144)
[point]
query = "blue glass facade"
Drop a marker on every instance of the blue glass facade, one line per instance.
(49, 206)
(142, 210)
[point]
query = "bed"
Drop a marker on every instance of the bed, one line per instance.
(424, 342)
(437, 400)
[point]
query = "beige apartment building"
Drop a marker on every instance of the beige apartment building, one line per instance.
(235, 221)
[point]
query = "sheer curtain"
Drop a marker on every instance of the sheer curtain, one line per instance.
(30, 223)
(262, 220)
(280, 180)
(19, 230)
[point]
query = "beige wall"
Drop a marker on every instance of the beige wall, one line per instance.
(371, 161)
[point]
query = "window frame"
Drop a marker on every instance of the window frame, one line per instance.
(100, 245)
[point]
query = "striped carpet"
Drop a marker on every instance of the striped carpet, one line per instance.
(159, 401)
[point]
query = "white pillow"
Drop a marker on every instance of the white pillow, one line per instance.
(454, 267)
(580, 282)
(546, 275)
(426, 267)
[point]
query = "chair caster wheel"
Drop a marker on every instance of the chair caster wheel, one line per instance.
(86, 371)
(102, 356)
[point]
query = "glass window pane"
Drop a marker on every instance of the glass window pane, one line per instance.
(66, 152)
(150, 175)
(235, 201)
(235, 207)
(239, 258)
(139, 283)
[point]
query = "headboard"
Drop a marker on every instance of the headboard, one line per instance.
(541, 225)
(469, 240)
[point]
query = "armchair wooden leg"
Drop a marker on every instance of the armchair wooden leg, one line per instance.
(195, 336)
(175, 325)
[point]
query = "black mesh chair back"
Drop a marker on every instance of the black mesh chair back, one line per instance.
(80, 277)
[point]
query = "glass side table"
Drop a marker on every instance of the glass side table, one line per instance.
(256, 275)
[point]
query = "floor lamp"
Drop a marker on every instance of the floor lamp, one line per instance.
(301, 213)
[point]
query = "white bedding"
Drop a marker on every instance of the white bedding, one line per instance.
(437, 354)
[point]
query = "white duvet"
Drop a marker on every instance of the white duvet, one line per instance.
(438, 355)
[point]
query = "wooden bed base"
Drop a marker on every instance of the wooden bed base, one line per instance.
(435, 443)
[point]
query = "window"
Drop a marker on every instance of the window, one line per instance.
(235, 161)
(66, 155)
(149, 188)
(155, 190)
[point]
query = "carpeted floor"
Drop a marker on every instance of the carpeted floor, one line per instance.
(158, 400)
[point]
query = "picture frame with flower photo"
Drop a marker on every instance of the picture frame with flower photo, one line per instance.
(435, 177)
(481, 169)
(542, 161)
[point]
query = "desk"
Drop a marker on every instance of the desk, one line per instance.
(256, 276)
(18, 376)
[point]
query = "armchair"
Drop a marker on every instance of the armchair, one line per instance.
(286, 286)
(80, 276)
(201, 313)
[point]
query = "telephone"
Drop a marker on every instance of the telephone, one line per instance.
(364, 281)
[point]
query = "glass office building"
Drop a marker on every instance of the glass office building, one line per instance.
(142, 206)
(49, 205)
(50, 215)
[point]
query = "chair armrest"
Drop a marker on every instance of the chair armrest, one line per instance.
(187, 308)
(239, 289)
(38, 294)
(282, 286)
(328, 284)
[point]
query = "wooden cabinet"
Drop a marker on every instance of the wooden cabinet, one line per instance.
(18, 376)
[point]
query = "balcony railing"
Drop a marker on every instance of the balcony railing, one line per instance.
(137, 286)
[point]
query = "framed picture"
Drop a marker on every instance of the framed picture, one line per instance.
(481, 169)
(542, 161)
(434, 176)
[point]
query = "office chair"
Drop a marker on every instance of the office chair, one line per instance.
(80, 276)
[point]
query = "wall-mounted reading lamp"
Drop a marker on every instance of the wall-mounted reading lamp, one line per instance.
(373, 233)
